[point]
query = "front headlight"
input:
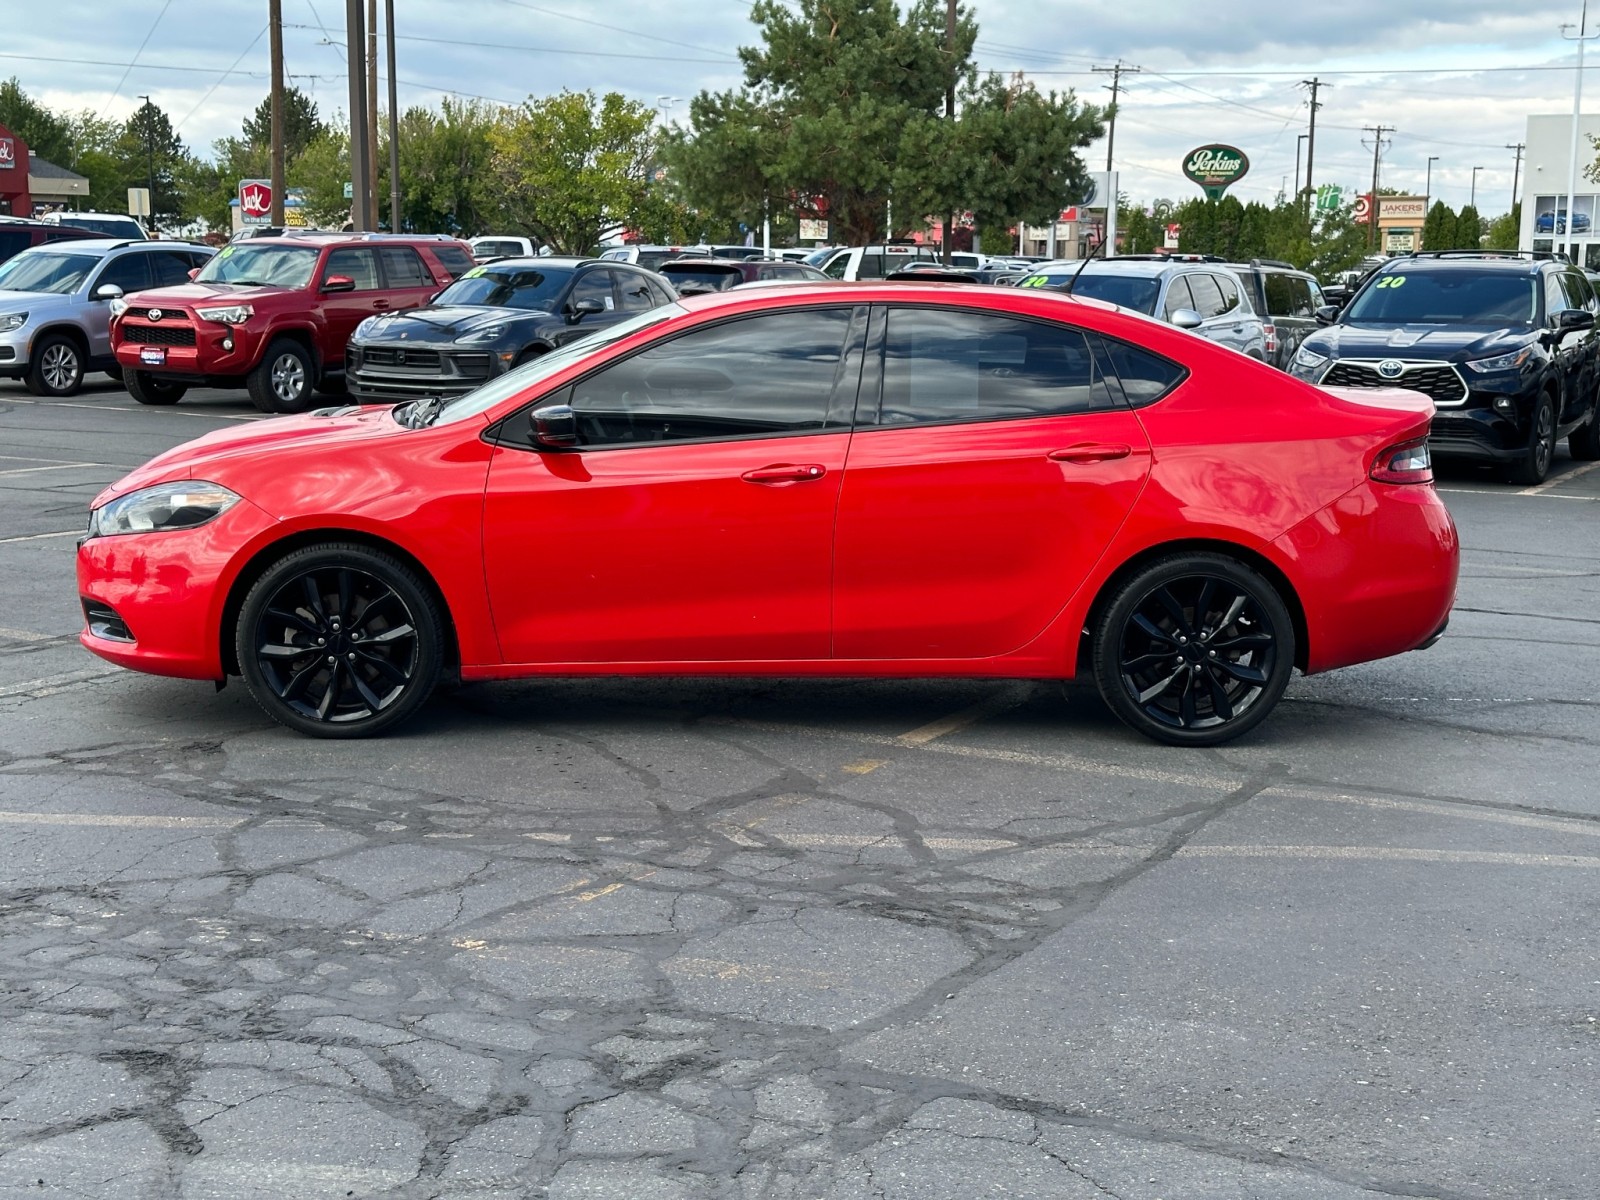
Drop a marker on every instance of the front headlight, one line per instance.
(1308, 359)
(487, 334)
(1502, 362)
(12, 321)
(183, 504)
(118, 306)
(231, 314)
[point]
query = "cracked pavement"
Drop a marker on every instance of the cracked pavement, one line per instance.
(799, 939)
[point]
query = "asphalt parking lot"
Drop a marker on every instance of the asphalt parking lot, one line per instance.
(799, 939)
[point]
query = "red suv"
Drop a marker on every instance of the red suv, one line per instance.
(274, 314)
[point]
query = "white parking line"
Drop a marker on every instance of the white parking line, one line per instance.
(141, 410)
(1540, 488)
(53, 467)
(36, 537)
(1493, 858)
(52, 682)
(25, 635)
(119, 820)
(992, 707)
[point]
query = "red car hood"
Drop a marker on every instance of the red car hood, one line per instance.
(217, 456)
(190, 294)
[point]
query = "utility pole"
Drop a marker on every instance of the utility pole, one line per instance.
(372, 110)
(150, 164)
(394, 128)
(275, 25)
(1473, 202)
(1315, 85)
(360, 180)
(1377, 132)
(1583, 35)
(1427, 186)
(1116, 70)
(1516, 170)
(1299, 144)
(948, 231)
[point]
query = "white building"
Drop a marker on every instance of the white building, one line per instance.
(1544, 189)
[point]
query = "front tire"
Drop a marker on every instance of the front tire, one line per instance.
(284, 380)
(147, 389)
(1194, 650)
(340, 641)
(1534, 463)
(56, 367)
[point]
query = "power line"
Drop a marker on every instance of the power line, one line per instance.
(220, 79)
(150, 33)
(562, 50)
(1115, 70)
(649, 37)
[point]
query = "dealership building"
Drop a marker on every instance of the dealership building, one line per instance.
(1544, 190)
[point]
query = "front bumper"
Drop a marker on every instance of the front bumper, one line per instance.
(14, 348)
(216, 352)
(395, 372)
(169, 590)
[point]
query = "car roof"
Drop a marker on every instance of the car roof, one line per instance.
(547, 260)
(1491, 262)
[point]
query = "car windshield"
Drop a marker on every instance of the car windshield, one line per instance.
(817, 257)
(1447, 298)
(46, 271)
(483, 399)
(507, 287)
(1137, 292)
(126, 227)
(261, 263)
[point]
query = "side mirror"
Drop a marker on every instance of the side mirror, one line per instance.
(108, 291)
(338, 283)
(1186, 318)
(193, 271)
(554, 426)
(584, 308)
(1327, 314)
(1570, 319)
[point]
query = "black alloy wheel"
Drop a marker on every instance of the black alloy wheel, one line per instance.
(340, 641)
(1194, 650)
(1534, 463)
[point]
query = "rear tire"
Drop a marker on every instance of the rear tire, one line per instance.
(147, 389)
(340, 641)
(284, 380)
(1193, 650)
(1534, 463)
(55, 367)
(1583, 443)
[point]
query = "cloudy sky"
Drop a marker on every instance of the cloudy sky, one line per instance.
(1456, 78)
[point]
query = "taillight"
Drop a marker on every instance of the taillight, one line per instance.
(1271, 331)
(1409, 462)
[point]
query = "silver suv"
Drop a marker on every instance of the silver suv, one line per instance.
(55, 305)
(1191, 292)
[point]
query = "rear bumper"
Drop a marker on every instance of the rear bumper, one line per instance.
(1375, 572)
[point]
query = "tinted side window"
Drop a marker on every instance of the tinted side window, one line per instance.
(1177, 296)
(661, 292)
(170, 267)
(130, 272)
(454, 260)
(403, 268)
(594, 285)
(1207, 295)
(947, 366)
(635, 291)
(357, 263)
(1144, 376)
(14, 241)
(1314, 289)
(771, 375)
(871, 267)
(1577, 290)
(1228, 290)
(1280, 295)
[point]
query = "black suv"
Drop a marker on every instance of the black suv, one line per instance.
(495, 317)
(1504, 344)
(1287, 299)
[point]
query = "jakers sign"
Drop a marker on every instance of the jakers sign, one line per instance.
(1215, 167)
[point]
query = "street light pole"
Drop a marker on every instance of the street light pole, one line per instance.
(1298, 143)
(1583, 35)
(394, 127)
(150, 164)
(1472, 201)
(1427, 187)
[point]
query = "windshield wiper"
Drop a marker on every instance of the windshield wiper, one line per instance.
(422, 412)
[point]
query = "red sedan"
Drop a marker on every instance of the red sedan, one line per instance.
(873, 480)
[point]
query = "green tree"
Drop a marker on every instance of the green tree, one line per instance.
(1141, 234)
(573, 167)
(1506, 229)
(301, 125)
(48, 135)
(823, 118)
(94, 156)
(1469, 229)
(151, 153)
(1439, 227)
(446, 175)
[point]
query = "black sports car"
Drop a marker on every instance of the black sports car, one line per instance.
(494, 318)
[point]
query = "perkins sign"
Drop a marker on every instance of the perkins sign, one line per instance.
(1215, 167)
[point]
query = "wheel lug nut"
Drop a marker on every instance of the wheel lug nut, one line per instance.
(1213, 653)
(351, 656)
(322, 641)
(332, 660)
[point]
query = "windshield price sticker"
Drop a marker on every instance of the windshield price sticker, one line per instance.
(1391, 281)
